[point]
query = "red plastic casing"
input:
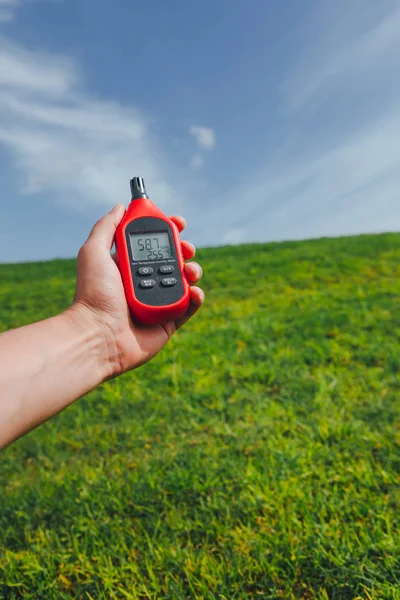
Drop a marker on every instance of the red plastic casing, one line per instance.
(150, 315)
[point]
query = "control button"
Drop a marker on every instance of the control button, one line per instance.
(147, 283)
(166, 269)
(168, 281)
(145, 271)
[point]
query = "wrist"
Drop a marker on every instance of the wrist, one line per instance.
(99, 337)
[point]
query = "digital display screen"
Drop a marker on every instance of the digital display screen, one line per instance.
(150, 246)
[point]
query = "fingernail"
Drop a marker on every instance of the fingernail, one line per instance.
(198, 271)
(201, 297)
(117, 208)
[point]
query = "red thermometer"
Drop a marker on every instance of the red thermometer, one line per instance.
(150, 261)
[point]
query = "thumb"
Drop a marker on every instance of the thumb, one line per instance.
(103, 231)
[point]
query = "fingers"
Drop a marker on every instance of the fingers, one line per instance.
(196, 301)
(193, 272)
(104, 230)
(188, 250)
(180, 222)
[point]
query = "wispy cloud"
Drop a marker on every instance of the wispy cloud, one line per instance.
(67, 141)
(7, 8)
(367, 49)
(340, 172)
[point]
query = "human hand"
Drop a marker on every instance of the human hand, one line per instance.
(100, 297)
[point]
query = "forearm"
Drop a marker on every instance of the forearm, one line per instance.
(45, 367)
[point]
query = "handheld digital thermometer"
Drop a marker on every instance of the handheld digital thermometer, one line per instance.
(150, 261)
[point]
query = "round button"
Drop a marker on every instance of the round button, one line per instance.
(145, 271)
(167, 281)
(166, 269)
(147, 283)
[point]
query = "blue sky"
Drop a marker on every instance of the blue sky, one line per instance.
(256, 119)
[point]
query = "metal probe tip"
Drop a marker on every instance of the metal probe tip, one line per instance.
(138, 189)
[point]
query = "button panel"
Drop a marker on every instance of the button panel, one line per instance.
(157, 283)
(147, 283)
(145, 271)
(168, 281)
(166, 269)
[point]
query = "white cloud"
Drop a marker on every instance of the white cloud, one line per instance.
(206, 139)
(23, 71)
(197, 161)
(68, 142)
(205, 136)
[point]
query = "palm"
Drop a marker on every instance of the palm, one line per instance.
(138, 343)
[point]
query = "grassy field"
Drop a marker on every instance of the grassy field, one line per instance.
(256, 457)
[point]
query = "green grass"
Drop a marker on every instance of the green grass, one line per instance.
(256, 457)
